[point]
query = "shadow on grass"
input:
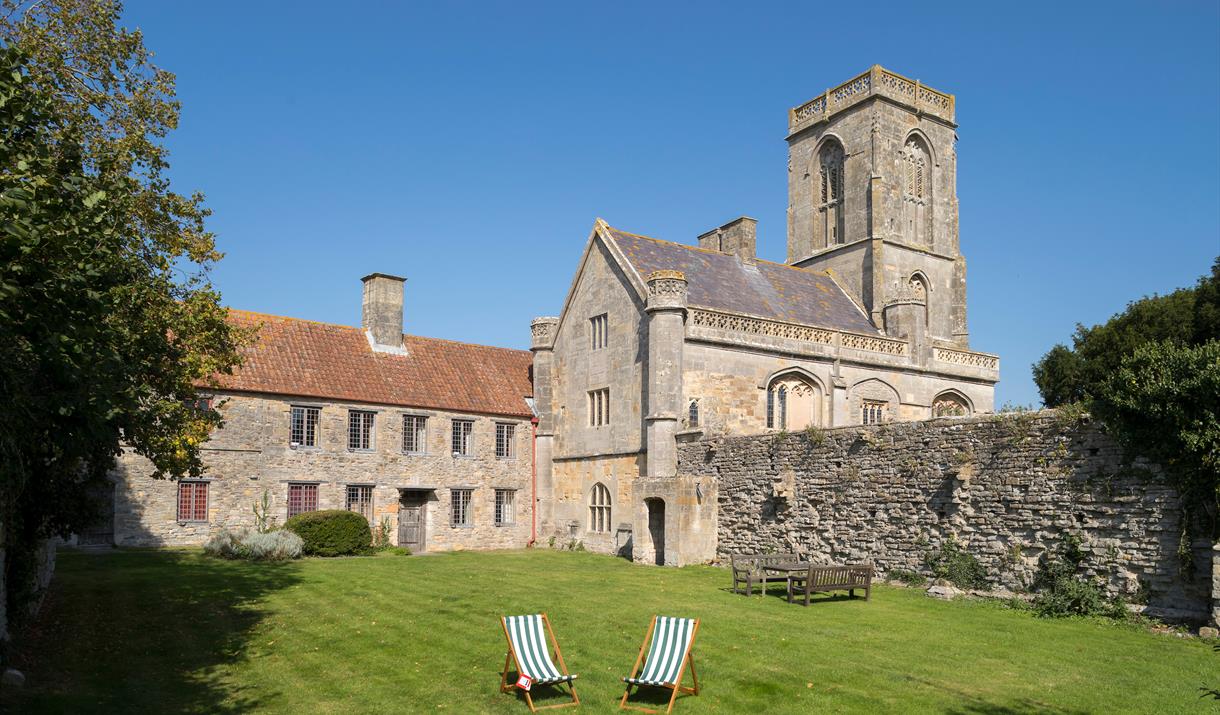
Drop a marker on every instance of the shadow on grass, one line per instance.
(1016, 707)
(146, 639)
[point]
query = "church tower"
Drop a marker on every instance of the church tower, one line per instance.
(872, 195)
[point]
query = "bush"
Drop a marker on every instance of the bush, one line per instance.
(1060, 592)
(334, 532)
(910, 578)
(958, 566)
(253, 546)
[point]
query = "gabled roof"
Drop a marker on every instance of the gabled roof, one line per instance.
(301, 358)
(722, 281)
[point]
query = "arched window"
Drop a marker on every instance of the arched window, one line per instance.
(916, 192)
(829, 200)
(599, 508)
(794, 402)
(950, 404)
(692, 414)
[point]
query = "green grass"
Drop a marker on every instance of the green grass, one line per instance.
(175, 631)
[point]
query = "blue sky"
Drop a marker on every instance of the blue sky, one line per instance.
(469, 146)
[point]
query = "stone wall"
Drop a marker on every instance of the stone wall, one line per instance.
(1007, 487)
(251, 455)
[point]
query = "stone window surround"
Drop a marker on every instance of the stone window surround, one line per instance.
(372, 430)
(468, 518)
(317, 428)
(423, 441)
(208, 499)
(510, 504)
(469, 453)
(509, 441)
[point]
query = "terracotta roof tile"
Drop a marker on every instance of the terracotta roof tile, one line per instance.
(722, 281)
(302, 358)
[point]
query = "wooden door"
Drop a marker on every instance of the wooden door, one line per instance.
(412, 522)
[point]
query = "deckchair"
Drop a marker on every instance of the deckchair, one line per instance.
(527, 649)
(672, 640)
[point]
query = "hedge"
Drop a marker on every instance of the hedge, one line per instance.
(335, 532)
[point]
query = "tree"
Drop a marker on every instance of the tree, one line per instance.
(108, 320)
(1189, 316)
(1151, 374)
(1164, 402)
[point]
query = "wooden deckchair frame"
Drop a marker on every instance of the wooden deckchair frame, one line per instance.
(676, 687)
(510, 658)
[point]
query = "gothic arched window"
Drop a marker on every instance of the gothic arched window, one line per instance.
(692, 414)
(599, 508)
(794, 402)
(830, 196)
(916, 192)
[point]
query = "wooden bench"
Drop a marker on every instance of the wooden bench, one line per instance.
(749, 569)
(824, 579)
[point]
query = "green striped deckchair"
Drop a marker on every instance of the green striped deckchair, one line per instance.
(527, 648)
(668, 657)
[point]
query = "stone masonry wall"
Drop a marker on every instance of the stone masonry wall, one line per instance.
(1007, 487)
(251, 455)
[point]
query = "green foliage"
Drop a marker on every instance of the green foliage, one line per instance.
(908, 577)
(815, 435)
(1060, 592)
(1151, 375)
(264, 522)
(254, 545)
(108, 321)
(381, 535)
(958, 566)
(1164, 402)
(1187, 316)
(333, 532)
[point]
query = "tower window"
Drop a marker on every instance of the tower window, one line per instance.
(599, 407)
(692, 414)
(830, 207)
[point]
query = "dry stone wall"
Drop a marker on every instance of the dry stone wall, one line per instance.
(1007, 487)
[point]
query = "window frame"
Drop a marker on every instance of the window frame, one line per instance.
(194, 485)
(467, 440)
(874, 409)
(305, 487)
(371, 434)
(306, 411)
(421, 434)
(464, 495)
(599, 332)
(505, 499)
(360, 489)
(599, 407)
(506, 436)
(692, 413)
(601, 506)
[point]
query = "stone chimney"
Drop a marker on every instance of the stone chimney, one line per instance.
(736, 237)
(382, 312)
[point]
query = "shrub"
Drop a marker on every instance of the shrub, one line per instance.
(910, 578)
(1060, 592)
(254, 546)
(335, 532)
(274, 546)
(957, 565)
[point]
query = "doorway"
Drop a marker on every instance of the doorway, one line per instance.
(413, 520)
(656, 529)
(100, 532)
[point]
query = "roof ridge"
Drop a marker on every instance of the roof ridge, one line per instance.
(352, 327)
(701, 249)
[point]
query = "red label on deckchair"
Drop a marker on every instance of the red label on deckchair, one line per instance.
(524, 682)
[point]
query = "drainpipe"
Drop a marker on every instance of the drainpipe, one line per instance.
(533, 482)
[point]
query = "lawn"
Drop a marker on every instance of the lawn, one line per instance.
(175, 631)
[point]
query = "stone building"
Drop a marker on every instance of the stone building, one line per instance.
(429, 437)
(661, 342)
